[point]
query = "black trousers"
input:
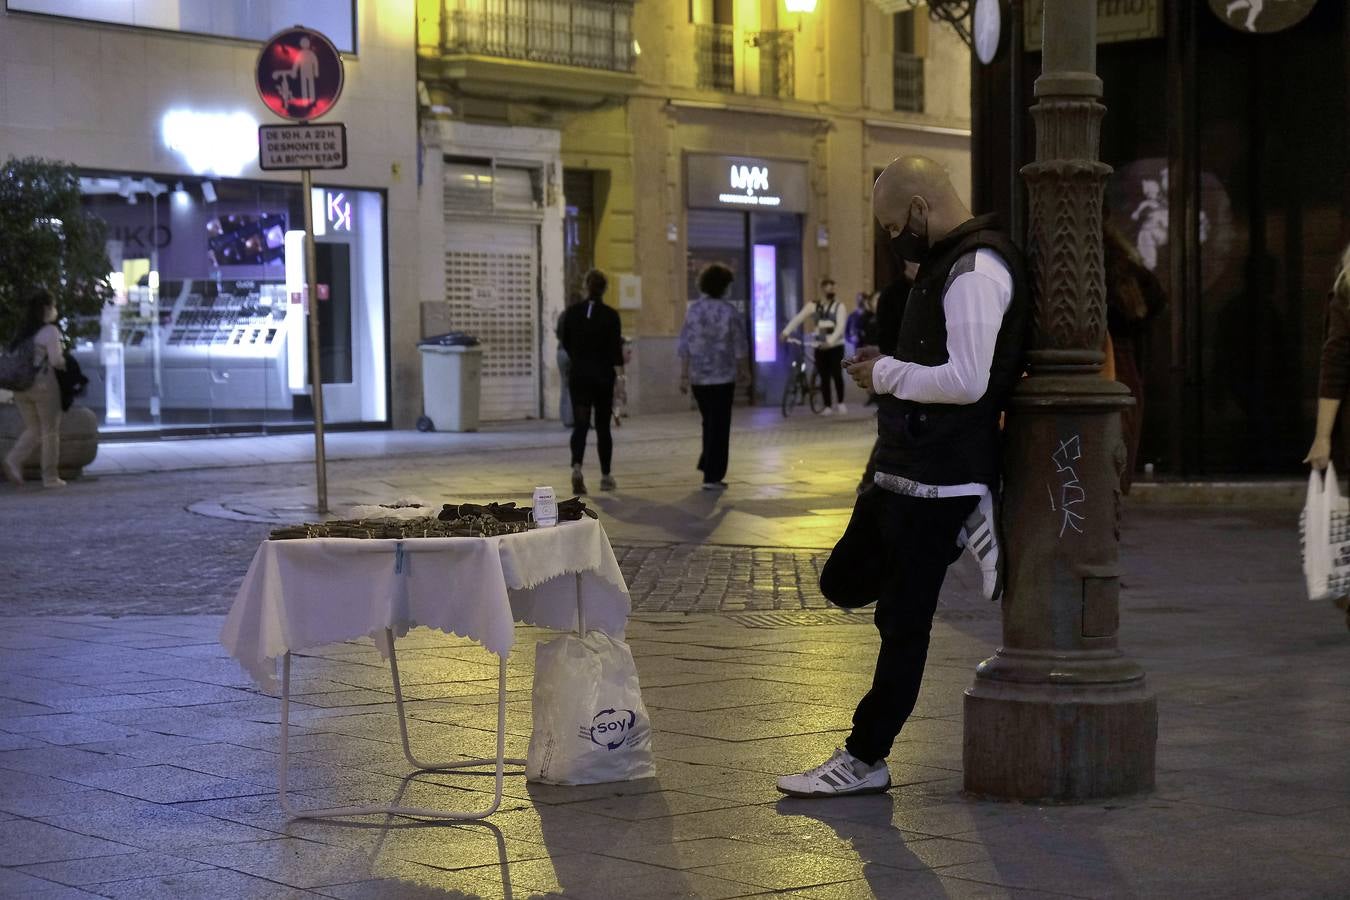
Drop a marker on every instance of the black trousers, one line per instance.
(714, 405)
(592, 397)
(895, 552)
(829, 364)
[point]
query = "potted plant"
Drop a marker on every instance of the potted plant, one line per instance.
(47, 238)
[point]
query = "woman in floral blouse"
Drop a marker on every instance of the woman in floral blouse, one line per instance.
(714, 358)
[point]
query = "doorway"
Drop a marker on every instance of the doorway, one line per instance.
(764, 252)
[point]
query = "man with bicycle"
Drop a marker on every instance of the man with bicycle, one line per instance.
(956, 357)
(828, 319)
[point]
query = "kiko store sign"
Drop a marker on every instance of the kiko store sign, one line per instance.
(745, 182)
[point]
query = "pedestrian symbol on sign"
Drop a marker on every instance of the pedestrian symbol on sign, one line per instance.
(299, 74)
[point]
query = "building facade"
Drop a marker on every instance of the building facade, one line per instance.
(1226, 127)
(649, 139)
(157, 107)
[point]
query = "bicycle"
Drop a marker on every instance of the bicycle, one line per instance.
(803, 384)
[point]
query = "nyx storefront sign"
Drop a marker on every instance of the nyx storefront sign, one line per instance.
(745, 183)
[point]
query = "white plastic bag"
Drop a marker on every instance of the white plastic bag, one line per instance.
(590, 725)
(1325, 531)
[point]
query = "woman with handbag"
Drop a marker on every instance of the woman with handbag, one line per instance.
(40, 404)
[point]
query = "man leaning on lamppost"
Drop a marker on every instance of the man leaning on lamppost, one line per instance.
(959, 354)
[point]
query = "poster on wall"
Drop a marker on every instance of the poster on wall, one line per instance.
(1137, 200)
(1262, 16)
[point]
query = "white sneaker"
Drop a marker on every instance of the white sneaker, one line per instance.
(827, 411)
(839, 775)
(840, 409)
(979, 535)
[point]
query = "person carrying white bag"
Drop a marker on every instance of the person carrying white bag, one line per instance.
(1325, 507)
(590, 725)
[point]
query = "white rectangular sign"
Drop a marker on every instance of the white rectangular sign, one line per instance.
(302, 146)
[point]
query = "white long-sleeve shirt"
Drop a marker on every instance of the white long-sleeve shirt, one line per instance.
(829, 337)
(974, 305)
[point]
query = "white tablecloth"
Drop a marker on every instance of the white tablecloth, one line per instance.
(305, 593)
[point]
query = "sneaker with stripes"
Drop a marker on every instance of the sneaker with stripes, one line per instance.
(841, 774)
(979, 535)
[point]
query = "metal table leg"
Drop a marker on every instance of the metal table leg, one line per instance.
(500, 761)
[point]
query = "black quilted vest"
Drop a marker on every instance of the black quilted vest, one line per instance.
(937, 443)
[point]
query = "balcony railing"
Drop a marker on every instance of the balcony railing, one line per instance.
(777, 62)
(908, 82)
(592, 34)
(716, 50)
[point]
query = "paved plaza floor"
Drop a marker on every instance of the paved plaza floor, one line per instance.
(137, 760)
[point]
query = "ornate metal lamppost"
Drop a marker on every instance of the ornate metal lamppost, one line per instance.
(1059, 713)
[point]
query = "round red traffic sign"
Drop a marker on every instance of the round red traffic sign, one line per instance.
(299, 74)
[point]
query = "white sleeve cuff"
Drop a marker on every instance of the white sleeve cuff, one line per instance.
(887, 375)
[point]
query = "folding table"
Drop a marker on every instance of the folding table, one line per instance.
(304, 593)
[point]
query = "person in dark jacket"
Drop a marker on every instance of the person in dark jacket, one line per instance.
(958, 353)
(1331, 439)
(592, 335)
(1134, 298)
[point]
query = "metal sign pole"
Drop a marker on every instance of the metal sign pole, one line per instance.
(309, 56)
(315, 373)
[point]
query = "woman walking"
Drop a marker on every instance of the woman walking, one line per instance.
(40, 405)
(592, 335)
(1333, 416)
(714, 358)
(828, 324)
(1332, 437)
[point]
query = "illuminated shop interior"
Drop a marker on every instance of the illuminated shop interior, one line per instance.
(208, 330)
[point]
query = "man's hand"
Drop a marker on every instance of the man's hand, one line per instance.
(684, 383)
(1320, 453)
(861, 372)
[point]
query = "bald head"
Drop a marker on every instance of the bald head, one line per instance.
(916, 189)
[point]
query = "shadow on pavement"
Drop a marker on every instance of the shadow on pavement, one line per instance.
(890, 867)
(691, 518)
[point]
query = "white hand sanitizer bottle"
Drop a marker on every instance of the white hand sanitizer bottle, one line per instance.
(545, 507)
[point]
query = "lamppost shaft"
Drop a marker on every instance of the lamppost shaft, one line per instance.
(1059, 713)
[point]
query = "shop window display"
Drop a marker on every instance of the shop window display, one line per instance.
(207, 331)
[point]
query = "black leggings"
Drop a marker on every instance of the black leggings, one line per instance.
(714, 405)
(587, 397)
(829, 362)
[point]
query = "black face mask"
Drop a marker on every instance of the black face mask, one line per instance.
(910, 246)
(829, 295)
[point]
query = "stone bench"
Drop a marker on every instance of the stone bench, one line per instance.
(79, 440)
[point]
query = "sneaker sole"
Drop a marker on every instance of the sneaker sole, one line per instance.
(825, 795)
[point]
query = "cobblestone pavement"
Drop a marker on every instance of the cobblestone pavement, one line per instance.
(138, 761)
(131, 544)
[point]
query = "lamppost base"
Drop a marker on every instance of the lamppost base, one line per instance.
(1059, 742)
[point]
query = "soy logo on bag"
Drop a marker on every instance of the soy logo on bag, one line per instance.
(611, 728)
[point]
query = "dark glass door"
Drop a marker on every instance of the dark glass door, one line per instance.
(333, 267)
